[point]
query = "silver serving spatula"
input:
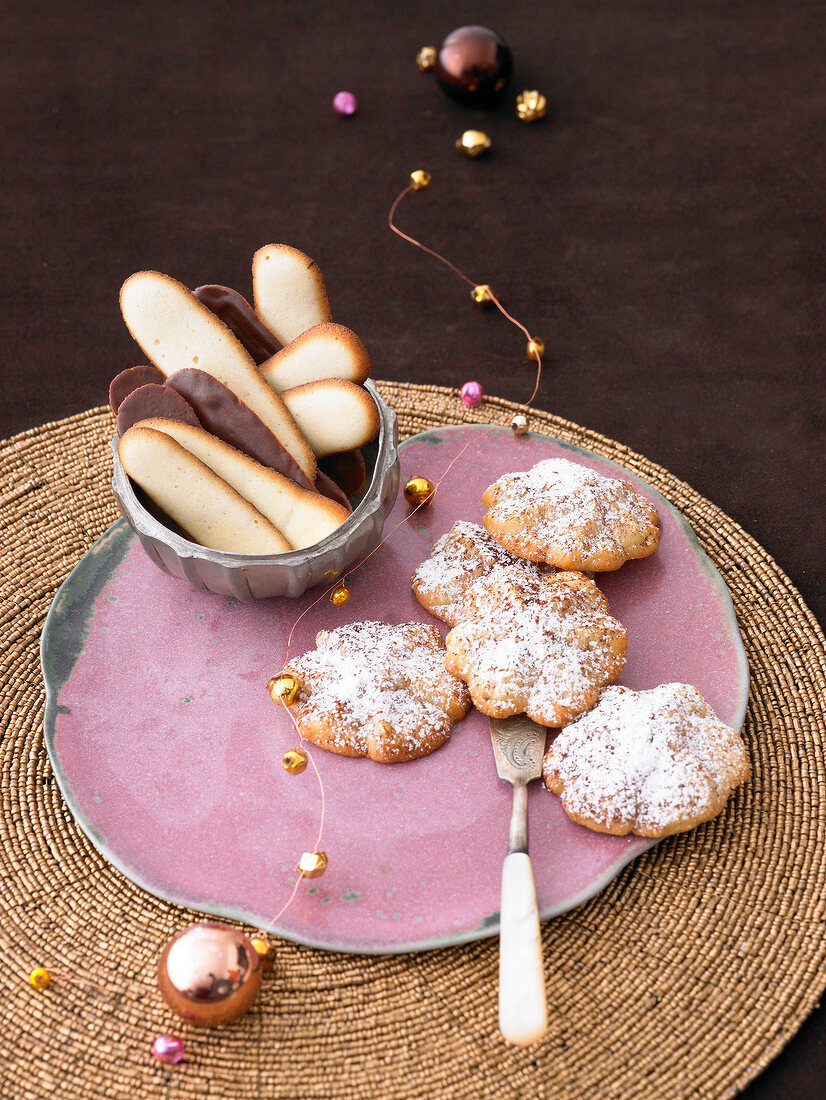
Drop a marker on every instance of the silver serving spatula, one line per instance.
(518, 745)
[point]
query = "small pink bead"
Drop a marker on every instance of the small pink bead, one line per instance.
(168, 1049)
(345, 103)
(472, 394)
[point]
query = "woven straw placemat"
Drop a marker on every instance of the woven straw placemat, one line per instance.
(682, 979)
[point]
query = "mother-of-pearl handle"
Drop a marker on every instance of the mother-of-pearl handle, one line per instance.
(523, 1011)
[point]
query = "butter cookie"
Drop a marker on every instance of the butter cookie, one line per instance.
(461, 556)
(378, 690)
(651, 763)
(543, 646)
(569, 516)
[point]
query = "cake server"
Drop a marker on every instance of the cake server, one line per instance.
(518, 746)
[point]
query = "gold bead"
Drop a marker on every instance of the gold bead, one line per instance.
(426, 59)
(535, 348)
(294, 761)
(264, 950)
(284, 688)
(531, 106)
(481, 294)
(312, 864)
(420, 180)
(473, 143)
(340, 595)
(40, 978)
(419, 490)
(519, 424)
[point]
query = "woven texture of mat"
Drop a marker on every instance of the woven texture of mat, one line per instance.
(683, 978)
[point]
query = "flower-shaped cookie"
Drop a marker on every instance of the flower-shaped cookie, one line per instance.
(462, 555)
(544, 646)
(377, 690)
(567, 515)
(647, 762)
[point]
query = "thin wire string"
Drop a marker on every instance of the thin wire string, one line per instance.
(406, 519)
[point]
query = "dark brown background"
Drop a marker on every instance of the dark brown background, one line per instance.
(663, 232)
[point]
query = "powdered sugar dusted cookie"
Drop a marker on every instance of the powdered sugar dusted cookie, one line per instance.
(461, 556)
(647, 762)
(564, 514)
(372, 689)
(288, 290)
(545, 646)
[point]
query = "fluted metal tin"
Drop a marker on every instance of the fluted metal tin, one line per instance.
(251, 577)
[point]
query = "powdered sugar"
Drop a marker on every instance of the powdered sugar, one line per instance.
(653, 761)
(462, 555)
(542, 645)
(565, 514)
(373, 688)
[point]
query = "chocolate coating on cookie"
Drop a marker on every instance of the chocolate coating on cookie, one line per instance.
(328, 488)
(228, 418)
(346, 469)
(153, 400)
(128, 380)
(240, 318)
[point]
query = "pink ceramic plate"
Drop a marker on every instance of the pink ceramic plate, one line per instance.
(167, 746)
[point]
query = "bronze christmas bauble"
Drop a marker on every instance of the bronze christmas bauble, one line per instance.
(474, 66)
(209, 974)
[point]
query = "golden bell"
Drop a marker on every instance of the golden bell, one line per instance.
(284, 688)
(426, 59)
(40, 978)
(419, 491)
(209, 974)
(420, 180)
(535, 348)
(519, 424)
(473, 143)
(481, 295)
(265, 951)
(340, 595)
(312, 864)
(531, 106)
(294, 761)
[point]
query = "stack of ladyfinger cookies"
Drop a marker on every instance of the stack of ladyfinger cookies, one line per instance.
(245, 427)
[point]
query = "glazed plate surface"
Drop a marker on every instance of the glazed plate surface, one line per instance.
(168, 748)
